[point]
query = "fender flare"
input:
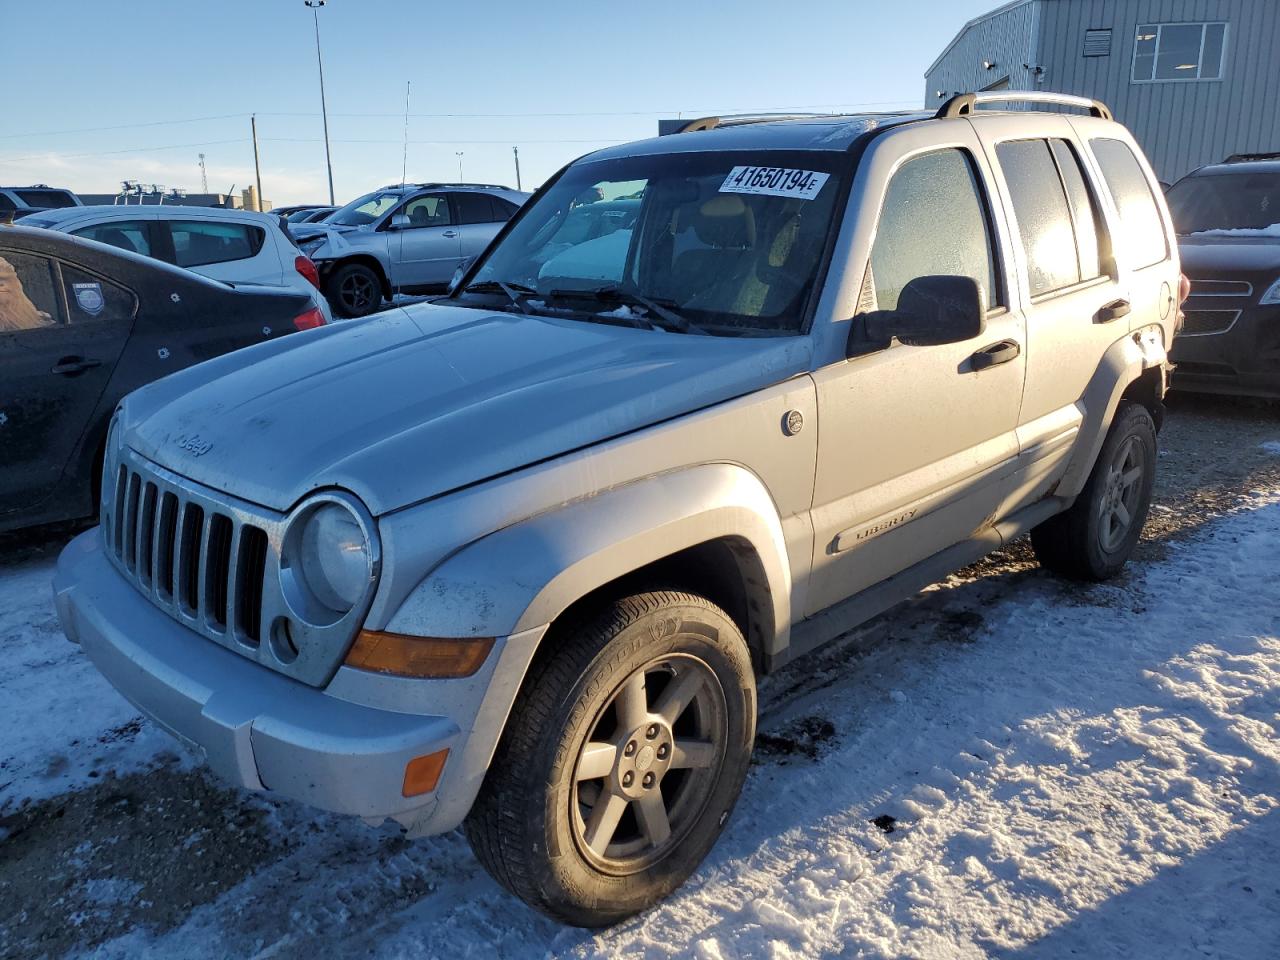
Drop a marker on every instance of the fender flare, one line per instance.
(1124, 362)
(525, 575)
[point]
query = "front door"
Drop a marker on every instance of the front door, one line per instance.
(60, 336)
(426, 246)
(917, 443)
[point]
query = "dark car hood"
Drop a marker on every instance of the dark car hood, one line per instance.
(1223, 253)
(416, 402)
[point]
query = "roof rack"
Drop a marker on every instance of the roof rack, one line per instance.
(433, 186)
(1247, 157)
(740, 119)
(963, 104)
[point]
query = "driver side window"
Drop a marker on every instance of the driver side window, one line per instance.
(934, 222)
(429, 211)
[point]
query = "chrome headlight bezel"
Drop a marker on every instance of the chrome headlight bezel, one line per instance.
(1271, 296)
(305, 582)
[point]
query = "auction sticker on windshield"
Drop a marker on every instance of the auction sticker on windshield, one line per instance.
(774, 182)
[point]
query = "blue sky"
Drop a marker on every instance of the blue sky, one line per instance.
(502, 70)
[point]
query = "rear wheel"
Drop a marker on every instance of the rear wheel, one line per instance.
(1094, 539)
(622, 759)
(354, 290)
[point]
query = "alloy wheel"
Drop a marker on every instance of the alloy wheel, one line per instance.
(1121, 494)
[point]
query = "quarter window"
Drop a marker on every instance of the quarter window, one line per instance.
(126, 234)
(1143, 241)
(197, 243)
(934, 222)
(1179, 51)
(91, 298)
(1056, 217)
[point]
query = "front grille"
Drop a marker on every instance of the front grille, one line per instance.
(203, 563)
(1205, 323)
(1221, 288)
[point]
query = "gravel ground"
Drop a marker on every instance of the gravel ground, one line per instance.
(150, 848)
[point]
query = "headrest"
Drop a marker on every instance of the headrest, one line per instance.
(725, 221)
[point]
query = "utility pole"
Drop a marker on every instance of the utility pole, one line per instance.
(516, 153)
(458, 154)
(204, 176)
(315, 5)
(257, 171)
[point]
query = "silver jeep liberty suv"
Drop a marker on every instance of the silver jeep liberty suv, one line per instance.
(514, 560)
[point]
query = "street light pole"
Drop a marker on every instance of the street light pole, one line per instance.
(315, 5)
(458, 154)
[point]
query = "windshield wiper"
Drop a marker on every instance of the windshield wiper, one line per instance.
(671, 321)
(516, 292)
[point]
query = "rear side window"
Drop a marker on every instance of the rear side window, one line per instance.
(6, 203)
(90, 298)
(46, 198)
(1143, 241)
(934, 222)
(1055, 213)
(474, 208)
(28, 297)
(198, 243)
(503, 210)
(126, 234)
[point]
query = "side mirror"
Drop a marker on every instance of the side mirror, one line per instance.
(931, 310)
(399, 221)
(461, 272)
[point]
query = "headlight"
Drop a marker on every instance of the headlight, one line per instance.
(1272, 295)
(334, 557)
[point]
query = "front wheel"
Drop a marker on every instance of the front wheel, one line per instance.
(623, 757)
(1095, 537)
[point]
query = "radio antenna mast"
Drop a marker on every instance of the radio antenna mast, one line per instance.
(404, 163)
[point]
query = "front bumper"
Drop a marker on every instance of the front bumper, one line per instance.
(261, 730)
(1238, 355)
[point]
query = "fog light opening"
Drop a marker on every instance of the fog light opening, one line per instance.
(282, 644)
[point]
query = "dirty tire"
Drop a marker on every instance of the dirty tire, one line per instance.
(1094, 539)
(545, 824)
(354, 290)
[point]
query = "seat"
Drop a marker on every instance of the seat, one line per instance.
(724, 236)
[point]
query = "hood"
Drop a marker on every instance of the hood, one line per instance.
(1225, 253)
(415, 402)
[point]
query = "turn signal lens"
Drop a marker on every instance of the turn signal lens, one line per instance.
(433, 658)
(310, 320)
(1184, 288)
(421, 774)
(307, 269)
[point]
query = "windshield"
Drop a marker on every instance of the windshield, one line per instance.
(722, 243)
(1244, 201)
(364, 209)
(301, 216)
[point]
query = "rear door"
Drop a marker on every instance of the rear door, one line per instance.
(1075, 299)
(61, 332)
(479, 220)
(428, 248)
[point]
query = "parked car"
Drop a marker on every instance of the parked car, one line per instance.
(81, 325)
(404, 238)
(18, 202)
(309, 214)
(1228, 220)
(237, 246)
(514, 560)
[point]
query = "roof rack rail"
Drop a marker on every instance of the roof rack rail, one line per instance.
(1247, 157)
(963, 104)
(739, 119)
(433, 185)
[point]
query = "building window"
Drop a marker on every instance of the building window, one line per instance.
(1179, 51)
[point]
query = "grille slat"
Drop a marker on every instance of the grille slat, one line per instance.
(1205, 323)
(203, 560)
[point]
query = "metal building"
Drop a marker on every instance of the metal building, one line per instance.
(1195, 80)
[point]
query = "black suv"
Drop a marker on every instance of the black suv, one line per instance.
(1228, 220)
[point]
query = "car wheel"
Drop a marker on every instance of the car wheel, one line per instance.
(1095, 537)
(354, 290)
(621, 761)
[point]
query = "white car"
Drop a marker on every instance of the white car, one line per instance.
(235, 246)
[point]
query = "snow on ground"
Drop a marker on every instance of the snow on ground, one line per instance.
(1008, 765)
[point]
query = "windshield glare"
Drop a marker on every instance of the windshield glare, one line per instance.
(364, 209)
(1234, 201)
(730, 241)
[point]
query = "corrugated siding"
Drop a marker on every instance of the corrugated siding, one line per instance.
(1181, 125)
(1005, 39)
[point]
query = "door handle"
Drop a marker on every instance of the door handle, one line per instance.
(70, 366)
(450, 234)
(1112, 311)
(997, 353)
